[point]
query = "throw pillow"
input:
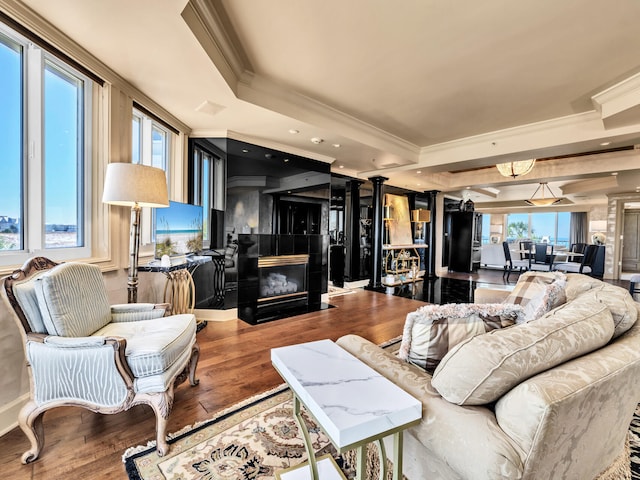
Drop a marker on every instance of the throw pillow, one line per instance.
(431, 331)
(538, 293)
(482, 369)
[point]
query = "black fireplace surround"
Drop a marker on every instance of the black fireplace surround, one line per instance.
(280, 275)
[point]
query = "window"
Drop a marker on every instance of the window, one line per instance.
(150, 143)
(208, 185)
(45, 113)
(548, 227)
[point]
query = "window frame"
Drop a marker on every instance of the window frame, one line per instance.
(147, 125)
(34, 62)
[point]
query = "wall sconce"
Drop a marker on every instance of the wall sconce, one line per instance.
(388, 210)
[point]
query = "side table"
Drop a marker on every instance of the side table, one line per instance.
(352, 403)
(179, 291)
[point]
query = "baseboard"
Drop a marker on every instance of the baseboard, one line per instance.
(9, 414)
(212, 315)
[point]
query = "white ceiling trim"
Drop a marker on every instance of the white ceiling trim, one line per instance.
(555, 137)
(618, 98)
(34, 22)
(211, 29)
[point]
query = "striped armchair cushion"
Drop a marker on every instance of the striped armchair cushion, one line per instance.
(153, 346)
(73, 300)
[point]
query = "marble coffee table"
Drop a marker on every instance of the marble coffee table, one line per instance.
(352, 403)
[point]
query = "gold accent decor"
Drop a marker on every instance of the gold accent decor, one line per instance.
(280, 260)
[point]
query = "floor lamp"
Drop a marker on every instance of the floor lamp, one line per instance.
(135, 186)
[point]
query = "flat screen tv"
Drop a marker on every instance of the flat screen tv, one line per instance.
(178, 229)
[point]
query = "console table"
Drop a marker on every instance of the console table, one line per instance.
(179, 290)
(352, 403)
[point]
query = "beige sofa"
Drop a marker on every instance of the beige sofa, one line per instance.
(520, 407)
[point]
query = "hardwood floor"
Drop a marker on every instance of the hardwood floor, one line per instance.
(234, 364)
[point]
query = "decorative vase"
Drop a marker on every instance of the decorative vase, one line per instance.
(598, 238)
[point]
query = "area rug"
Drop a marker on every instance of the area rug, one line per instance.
(256, 438)
(249, 441)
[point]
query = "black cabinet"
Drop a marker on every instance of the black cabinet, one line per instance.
(463, 234)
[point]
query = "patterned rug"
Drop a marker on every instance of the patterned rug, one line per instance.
(255, 439)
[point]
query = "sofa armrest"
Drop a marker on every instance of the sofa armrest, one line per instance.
(445, 429)
(490, 295)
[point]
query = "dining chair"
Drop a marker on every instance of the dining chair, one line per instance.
(542, 257)
(510, 264)
(525, 246)
(634, 287)
(576, 248)
(584, 265)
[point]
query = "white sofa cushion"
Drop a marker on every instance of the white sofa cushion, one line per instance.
(482, 369)
(154, 345)
(431, 331)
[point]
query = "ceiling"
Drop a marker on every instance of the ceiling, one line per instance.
(428, 94)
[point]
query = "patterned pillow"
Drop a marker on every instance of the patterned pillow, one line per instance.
(481, 369)
(538, 292)
(432, 330)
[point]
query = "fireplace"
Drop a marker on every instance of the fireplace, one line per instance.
(280, 275)
(283, 279)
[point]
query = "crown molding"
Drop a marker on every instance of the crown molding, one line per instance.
(620, 104)
(210, 25)
(261, 91)
(34, 22)
(262, 142)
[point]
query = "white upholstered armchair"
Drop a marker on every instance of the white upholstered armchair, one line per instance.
(83, 352)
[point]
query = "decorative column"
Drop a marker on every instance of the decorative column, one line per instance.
(430, 258)
(375, 280)
(352, 229)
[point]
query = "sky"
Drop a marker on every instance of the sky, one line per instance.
(60, 140)
(179, 216)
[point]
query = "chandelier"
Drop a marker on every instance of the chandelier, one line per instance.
(543, 201)
(515, 169)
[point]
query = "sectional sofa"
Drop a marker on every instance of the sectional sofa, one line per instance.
(549, 397)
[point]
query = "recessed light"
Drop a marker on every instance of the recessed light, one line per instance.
(317, 140)
(286, 160)
(419, 172)
(340, 166)
(245, 150)
(336, 145)
(293, 131)
(614, 174)
(604, 144)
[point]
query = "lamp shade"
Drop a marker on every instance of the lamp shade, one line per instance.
(597, 225)
(420, 215)
(131, 184)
